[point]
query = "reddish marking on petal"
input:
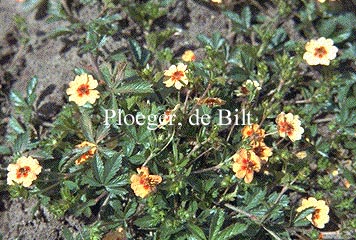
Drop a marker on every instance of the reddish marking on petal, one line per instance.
(83, 90)
(23, 172)
(176, 76)
(320, 52)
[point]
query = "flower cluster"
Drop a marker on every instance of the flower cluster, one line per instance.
(246, 162)
(320, 216)
(24, 171)
(143, 183)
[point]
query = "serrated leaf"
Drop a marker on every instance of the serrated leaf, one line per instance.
(130, 209)
(60, 31)
(138, 87)
(112, 166)
(216, 223)
(196, 231)
(301, 220)
(17, 99)
(87, 127)
(98, 168)
(16, 126)
(146, 222)
(205, 40)
(231, 231)
(31, 86)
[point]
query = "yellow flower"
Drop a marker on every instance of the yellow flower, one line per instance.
(253, 132)
(143, 183)
(24, 171)
(322, 1)
(81, 90)
(245, 163)
(118, 234)
(176, 76)
(320, 51)
(210, 101)
(188, 56)
(261, 150)
(301, 155)
(216, 1)
(320, 215)
(86, 155)
(289, 125)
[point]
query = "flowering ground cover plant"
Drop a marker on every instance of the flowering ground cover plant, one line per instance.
(248, 136)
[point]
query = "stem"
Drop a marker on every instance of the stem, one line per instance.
(238, 210)
(153, 154)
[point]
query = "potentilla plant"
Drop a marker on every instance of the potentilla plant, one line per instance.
(227, 144)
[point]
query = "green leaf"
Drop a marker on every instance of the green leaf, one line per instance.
(142, 56)
(31, 86)
(17, 99)
(205, 40)
(4, 150)
(146, 222)
(139, 87)
(112, 166)
(87, 127)
(301, 220)
(246, 16)
(231, 231)
(130, 209)
(98, 168)
(16, 126)
(196, 231)
(60, 31)
(216, 223)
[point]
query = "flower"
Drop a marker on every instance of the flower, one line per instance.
(320, 215)
(216, 1)
(253, 132)
(210, 101)
(143, 183)
(250, 86)
(320, 51)
(188, 56)
(118, 234)
(289, 125)
(322, 1)
(24, 171)
(81, 90)
(261, 150)
(301, 155)
(86, 155)
(245, 163)
(176, 76)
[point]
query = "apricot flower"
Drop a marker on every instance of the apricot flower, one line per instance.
(253, 132)
(143, 183)
(246, 162)
(176, 76)
(320, 216)
(289, 125)
(188, 56)
(81, 90)
(320, 51)
(24, 171)
(211, 102)
(261, 150)
(86, 155)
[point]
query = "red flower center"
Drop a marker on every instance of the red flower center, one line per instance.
(23, 172)
(177, 75)
(320, 52)
(83, 90)
(316, 215)
(286, 127)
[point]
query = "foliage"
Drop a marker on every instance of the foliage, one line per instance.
(200, 197)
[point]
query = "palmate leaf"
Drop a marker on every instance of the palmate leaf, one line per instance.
(137, 87)
(112, 166)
